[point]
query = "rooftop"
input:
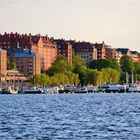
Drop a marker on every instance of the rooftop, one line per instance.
(24, 53)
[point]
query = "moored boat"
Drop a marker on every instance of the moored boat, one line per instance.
(114, 88)
(9, 90)
(133, 88)
(32, 90)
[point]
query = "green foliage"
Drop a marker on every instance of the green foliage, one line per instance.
(115, 65)
(137, 68)
(79, 67)
(127, 64)
(92, 77)
(110, 75)
(78, 61)
(61, 65)
(104, 63)
(40, 80)
(99, 64)
(11, 65)
(65, 78)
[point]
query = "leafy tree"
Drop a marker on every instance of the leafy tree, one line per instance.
(40, 80)
(136, 68)
(104, 63)
(110, 75)
(115, 65)
(79, 67)
(59, 79)
(43, 80)
(61, 65)
(78, 61)
(100, 63)
(35, 80)
(73, 78)
(127, 64)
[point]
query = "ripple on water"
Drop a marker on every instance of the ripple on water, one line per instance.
(70, 117)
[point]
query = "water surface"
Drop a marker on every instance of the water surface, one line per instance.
(70, 117)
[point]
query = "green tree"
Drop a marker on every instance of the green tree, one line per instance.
(73, 78)
(61, 65)
(35, 80)
(115, 65)
(79, 67)
(43, 80)
(137, 68)
(100, 64)
(78, 61)
(127, 64)
(104, 63)
(110, 75)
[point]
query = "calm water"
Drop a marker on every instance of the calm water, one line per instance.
(70, 117)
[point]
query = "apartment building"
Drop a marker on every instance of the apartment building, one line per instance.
(64, 48)
(86, 50)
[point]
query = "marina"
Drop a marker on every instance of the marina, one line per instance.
(106, 88)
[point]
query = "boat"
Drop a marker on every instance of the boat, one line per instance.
(73, 89)
(32, 90)
(133, 88)
(92, 89)
(9, 90)
(113, 88)
(81, 90)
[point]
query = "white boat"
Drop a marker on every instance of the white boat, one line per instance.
(32, 90)
(134, 88)
(113, 88)
(9, 90)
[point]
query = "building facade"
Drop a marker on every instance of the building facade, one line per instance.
(3, 64)
(110, 52)
(64, 48)
(86, 50)
(39, 44)
(46, 49)
(28, 62)
(101, 54)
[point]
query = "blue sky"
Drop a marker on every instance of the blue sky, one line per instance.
(114, 21)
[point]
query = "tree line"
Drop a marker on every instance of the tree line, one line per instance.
(97, 73)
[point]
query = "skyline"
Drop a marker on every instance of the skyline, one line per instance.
(114, 21)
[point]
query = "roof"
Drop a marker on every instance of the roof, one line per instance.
(123, 50)
(24, 53)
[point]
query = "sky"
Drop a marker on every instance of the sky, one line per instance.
(116, 22)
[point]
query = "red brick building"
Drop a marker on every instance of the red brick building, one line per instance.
(28, 62)
(64, 48)
(110, 52)
(41, 45)
(3, 64)
(47, 50)
(101, 54)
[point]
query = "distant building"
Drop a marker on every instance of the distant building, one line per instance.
(110, 52)
(47, 50)
(39, 44)
(101, 54)
(3, 64)
(64, 48)
(135, 56)
(125, 51)
(28, 62)
(15, 78)
(86, 50)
